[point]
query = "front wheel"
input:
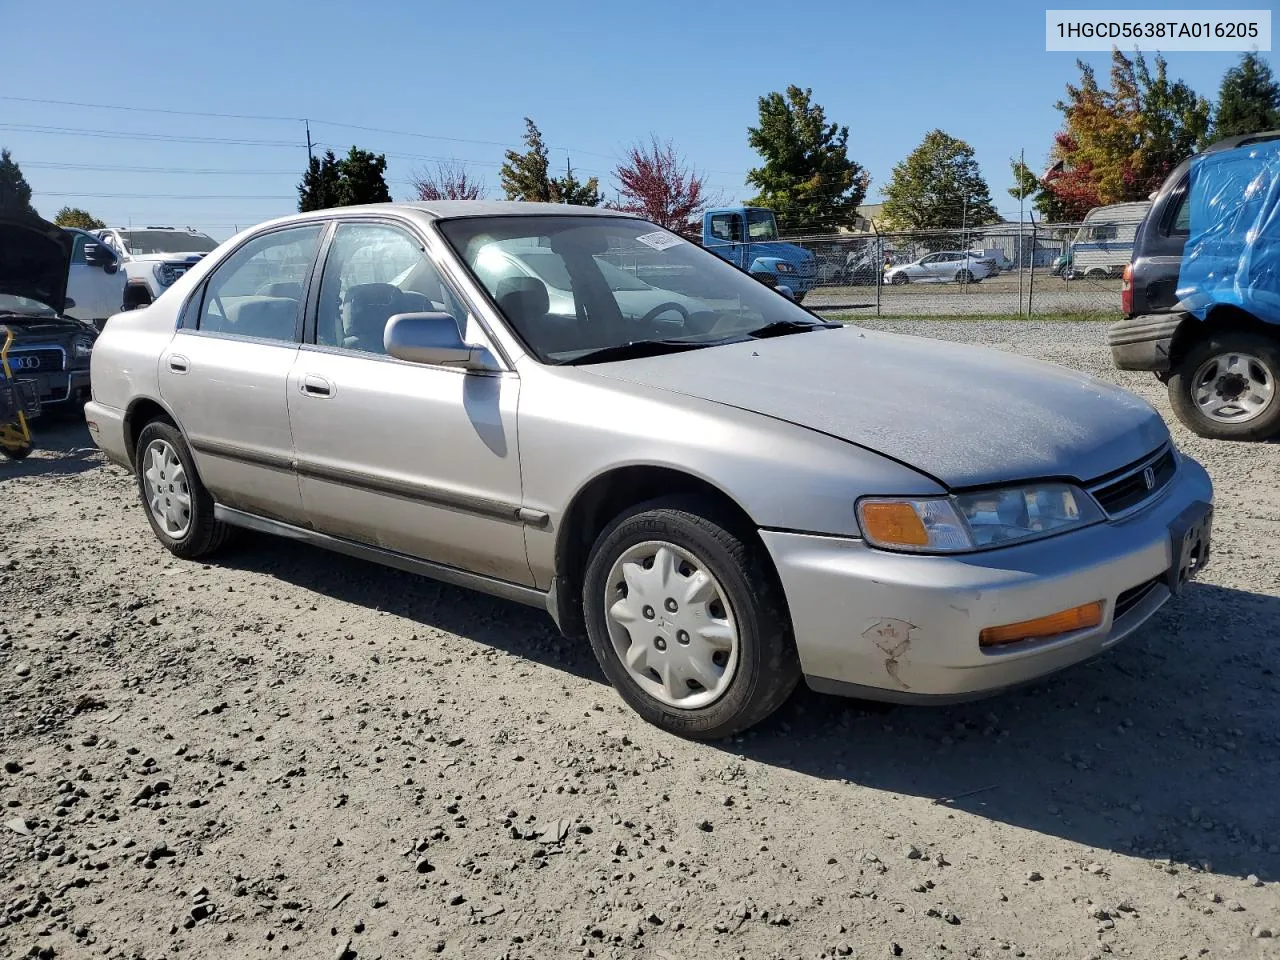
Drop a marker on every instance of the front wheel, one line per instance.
(1225, 387)
(898, 279)
(178, 506)
(964, 276)
(687, 620)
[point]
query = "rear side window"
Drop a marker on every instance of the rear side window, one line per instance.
(258, 290)
(1182, 216)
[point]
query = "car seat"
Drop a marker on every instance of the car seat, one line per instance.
(366, 308)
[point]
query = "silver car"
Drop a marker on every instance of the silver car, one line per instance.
(945, 266)
(722, 501)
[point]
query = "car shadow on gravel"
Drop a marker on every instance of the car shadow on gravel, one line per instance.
(520, 630)
(62, 446)
(1166, 747)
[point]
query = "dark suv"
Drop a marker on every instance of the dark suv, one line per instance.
(1218, 352)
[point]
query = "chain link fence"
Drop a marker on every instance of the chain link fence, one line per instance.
(1009, 268)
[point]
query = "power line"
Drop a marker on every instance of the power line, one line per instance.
(149, 137)
(166, 110)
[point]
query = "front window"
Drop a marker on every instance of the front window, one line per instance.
(570, 286)
(761, 225)
(141, 242)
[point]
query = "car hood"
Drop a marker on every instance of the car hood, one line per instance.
(966, 416)
(35, 257)
(26, 329)
(783, 251)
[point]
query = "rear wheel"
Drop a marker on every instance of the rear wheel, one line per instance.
(964, 276)
(687, 620)
(1097, 273)
(1225, 387)
(178, 506)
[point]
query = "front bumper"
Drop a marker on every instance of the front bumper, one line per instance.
(62, 387)
(902, 627)
(1143, 342)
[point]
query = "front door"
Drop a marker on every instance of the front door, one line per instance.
(225, 372)
(412, 458)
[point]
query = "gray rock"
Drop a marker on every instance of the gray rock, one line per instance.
(1235, 906)
(911, 852)
(12, 766)
(1261, 933)
(22, 669)
(1035, 876)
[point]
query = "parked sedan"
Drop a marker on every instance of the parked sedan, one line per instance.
(946, 266)
(719, 504)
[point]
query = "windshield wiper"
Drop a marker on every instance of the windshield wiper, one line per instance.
(779, 328)
(636, 349)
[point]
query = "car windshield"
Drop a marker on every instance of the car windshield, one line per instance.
(22, 306)
(139, 242)
(761, 225)
(571, 286)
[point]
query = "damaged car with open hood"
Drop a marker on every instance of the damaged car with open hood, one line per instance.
(718, 490)
(49, 349)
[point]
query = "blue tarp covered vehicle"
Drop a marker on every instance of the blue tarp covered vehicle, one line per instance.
(1202, 294)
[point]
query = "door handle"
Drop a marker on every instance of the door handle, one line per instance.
(178, 363)
(314, 386)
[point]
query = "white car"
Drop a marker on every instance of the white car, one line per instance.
(154, 257)
(95, 282)
(945, 266)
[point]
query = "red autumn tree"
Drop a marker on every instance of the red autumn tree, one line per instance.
(449, 181)
(657, 183)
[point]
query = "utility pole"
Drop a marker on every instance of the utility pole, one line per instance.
(307, 123)
(1022, 194)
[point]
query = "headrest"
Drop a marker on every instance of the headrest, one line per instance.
(523, 297)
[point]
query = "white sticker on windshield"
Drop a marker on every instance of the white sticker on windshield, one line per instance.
(659, 240)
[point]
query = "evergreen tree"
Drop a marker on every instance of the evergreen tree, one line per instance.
(1249, 99)
(15, 192)
(807, 177)
(938, 186)
(319, 187)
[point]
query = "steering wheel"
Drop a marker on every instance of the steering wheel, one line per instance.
(662, 308)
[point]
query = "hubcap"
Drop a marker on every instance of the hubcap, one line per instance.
(168, 495)
(1233, 388)
(671, 625)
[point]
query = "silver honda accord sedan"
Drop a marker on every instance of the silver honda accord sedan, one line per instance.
(720, 490)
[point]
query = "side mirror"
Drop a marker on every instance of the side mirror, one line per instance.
(786, 291)
(432, 338)
(68, 303)
(97, 255)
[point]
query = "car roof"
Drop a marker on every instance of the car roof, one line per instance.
(449, 209)
(1230, 143)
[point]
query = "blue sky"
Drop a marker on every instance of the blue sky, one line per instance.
(460, 77)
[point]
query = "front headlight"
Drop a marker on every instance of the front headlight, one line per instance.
(164, 276)
(784, 267)
(82, 348)
(972, 521)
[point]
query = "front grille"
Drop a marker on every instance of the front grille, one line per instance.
(30, 362)
(1132, 597)
(1131, 486)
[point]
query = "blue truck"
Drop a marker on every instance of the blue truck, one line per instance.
(748, 238)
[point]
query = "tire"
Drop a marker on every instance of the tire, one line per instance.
(964, 276)
(1207, 373)
(899, 279)
(1097, 273)
(17, 453)
(201, 534)
(760, 668)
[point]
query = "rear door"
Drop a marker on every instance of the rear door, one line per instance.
(226, 371)
(417, 459)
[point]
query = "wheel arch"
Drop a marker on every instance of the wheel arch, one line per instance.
(603, 498)
(1220, 317)
(140, 412)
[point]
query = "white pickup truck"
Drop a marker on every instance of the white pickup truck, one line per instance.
(154, 257)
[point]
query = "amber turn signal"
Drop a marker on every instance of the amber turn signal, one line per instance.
(1067, 621)
(894, 523)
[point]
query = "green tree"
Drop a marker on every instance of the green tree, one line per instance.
(938, 186)
(319, 187)
(362, 178)
(1175, 122)
(76, 217)
(15, 192)
(1249, 99)
(1025, 183)
(807, 177)
(527, 175)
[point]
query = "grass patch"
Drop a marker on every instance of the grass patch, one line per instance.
(1082, 316)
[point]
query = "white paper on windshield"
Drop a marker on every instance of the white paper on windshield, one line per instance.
(660, 240)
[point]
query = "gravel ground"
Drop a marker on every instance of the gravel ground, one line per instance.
(292, 753)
